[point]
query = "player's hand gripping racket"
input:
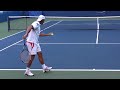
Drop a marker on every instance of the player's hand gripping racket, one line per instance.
(24, 55)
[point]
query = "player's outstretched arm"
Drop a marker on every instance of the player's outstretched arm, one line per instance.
(48, 34)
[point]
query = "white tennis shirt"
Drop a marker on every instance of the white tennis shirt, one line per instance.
(33, 35)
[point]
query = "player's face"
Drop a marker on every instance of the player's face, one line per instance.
(42, 21)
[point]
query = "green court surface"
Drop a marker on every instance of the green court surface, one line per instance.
(4, 30)
(19, 74)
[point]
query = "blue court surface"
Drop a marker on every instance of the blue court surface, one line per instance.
(69, 47)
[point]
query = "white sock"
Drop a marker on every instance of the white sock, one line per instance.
(43, 65)
(27, 68)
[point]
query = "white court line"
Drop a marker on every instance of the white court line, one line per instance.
(22, 40)
(78, 43)
(12, 35)
(97, 38)
(97, 30)
(62, 69)
(17, 33)
(51, 25)
(10, 46)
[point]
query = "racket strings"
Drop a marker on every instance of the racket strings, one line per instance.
(25, 56)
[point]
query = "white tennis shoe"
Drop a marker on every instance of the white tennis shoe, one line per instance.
(46, 68)
(28, 73)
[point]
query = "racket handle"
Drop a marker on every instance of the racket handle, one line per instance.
(24, 42)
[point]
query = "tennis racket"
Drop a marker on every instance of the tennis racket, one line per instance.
(24, 55)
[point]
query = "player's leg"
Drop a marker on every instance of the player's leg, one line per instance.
(41, 59)
(28, 72)
(32, 49)
(30, 61)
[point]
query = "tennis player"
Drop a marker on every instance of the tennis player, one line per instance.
(32, 34)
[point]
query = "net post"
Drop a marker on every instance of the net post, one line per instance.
(8, 21)
(26, 22)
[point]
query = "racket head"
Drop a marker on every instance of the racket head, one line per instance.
(24, 54)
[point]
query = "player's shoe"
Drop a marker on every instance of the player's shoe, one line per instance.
(28, 73)
(47, 69)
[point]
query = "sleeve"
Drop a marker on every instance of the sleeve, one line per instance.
(35, 25)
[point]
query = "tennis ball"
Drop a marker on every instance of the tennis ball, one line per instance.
(52, 34)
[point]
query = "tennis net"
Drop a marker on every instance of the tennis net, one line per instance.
(67, 23)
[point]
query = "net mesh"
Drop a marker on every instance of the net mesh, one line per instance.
(67, 23)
